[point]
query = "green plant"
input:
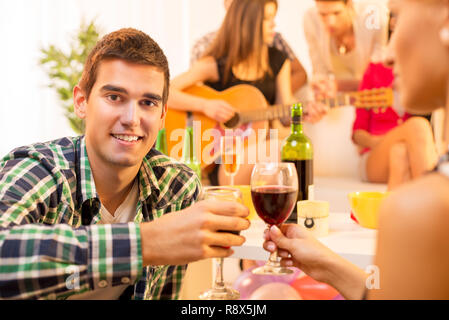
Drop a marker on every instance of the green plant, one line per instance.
(65, 70)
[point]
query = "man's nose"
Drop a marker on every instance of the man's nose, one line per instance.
(330, 21)
(130, 115)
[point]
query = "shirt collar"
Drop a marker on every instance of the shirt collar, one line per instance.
(148, 182)
(86, 185)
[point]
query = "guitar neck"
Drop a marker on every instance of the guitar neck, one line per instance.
(366, 99)
(281, 111)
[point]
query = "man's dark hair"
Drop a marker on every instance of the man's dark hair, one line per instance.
(344, 1)
(130, 45)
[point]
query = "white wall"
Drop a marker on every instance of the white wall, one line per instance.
(30, 112)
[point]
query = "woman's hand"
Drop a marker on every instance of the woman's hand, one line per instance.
(296, 247)
(219, 110)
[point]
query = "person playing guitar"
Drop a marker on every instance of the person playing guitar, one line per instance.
(241, 54)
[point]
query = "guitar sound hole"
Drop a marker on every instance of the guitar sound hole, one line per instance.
(233, 122)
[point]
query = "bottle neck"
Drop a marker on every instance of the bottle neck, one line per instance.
(161, 143)
(297, 128)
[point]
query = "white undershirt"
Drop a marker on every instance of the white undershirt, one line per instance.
(126, 212)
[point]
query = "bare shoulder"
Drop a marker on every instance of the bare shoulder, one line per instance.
(412, 241)
(422, 204)
(207, 67)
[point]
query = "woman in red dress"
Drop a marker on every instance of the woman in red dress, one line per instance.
(395, 146)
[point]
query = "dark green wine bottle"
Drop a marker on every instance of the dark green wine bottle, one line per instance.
(298, 149)
(189, 152)
(161, 142)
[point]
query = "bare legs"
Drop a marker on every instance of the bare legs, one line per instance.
(405, 153)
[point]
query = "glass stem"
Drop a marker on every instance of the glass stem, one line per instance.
(273, 257)
(219, 283)
(231, 183)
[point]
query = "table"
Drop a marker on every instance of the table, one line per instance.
(347, 238)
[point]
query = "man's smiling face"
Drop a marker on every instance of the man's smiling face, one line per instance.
(124, 113)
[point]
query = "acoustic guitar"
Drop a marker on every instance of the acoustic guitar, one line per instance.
(254, 113)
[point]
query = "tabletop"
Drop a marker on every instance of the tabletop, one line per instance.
(347, 238)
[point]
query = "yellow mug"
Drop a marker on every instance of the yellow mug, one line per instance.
(247, 200)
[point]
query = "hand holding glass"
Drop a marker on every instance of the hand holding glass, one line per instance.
(220, 291)
(274, 189)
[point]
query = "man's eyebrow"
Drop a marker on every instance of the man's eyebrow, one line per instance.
(109, 87)
(153, 96)
(113, 88)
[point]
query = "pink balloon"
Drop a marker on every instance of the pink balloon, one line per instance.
(275, 291)
(248, 282)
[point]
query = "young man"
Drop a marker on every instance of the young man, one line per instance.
(343, 38)
(90, 216)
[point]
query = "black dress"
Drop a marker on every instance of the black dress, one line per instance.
(267, 84)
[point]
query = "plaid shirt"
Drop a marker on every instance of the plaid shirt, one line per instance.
(51, 245)
(200, 47)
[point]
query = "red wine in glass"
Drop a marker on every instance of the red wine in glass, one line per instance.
(274, 204)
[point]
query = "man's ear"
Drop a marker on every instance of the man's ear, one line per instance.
(163, 115)
(79, 102)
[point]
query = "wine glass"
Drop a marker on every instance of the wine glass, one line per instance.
(230, 147)
(274, 189)
(220, 291)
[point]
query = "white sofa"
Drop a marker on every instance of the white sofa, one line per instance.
(336, 160)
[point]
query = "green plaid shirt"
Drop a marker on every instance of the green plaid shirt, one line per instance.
(51, 245)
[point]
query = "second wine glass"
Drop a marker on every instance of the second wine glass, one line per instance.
(230, 148)
(220, 291)
(274, 188)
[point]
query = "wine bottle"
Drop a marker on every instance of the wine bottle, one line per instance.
(298, 149)
(189, 153)
(161, 142)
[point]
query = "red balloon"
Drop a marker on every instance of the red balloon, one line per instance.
(310, 289)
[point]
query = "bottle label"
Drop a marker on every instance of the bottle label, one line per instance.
(296, 119)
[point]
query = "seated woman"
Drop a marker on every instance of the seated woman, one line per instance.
(413, 240)
(394, 145)
(240, 54)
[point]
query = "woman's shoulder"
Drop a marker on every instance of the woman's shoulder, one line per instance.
(277, 59)
(275, 53)
(423, 203)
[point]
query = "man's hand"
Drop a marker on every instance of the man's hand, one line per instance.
(219, 110)
(315, 111)
(324, 87)
(193, 233)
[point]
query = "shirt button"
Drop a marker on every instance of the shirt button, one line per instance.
(126, 280)
(103, 284)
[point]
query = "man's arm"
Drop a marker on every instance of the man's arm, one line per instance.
(40, 258)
